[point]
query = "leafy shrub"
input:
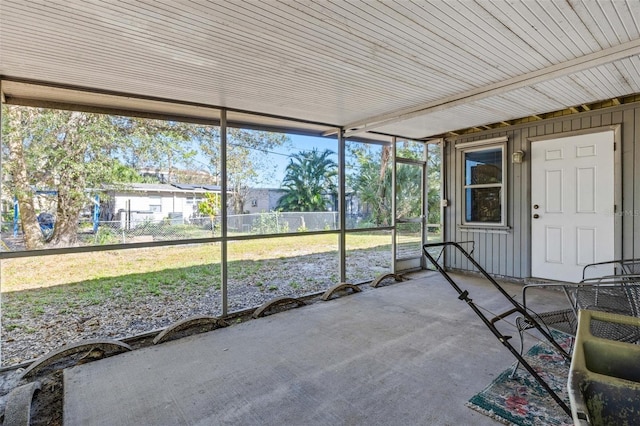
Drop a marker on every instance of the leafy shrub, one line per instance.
(270, 223)
(106, 235)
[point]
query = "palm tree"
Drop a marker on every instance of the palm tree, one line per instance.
(309, 178)
(371, 183)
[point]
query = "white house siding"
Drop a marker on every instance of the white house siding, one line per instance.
(170, 203)
(507, 253)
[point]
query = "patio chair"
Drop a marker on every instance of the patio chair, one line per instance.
(620, 267)
(617, 294)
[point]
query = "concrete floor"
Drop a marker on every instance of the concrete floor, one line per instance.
(410, 353)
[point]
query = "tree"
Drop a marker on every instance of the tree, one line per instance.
(434, 181)
(78, 149)
(309, 177)
(123, 174)
(19, 183)
(157, 144)
(409, 195)
(61, 151)
(72, 152)
(210, 206)
(247, 158)
(371, 182)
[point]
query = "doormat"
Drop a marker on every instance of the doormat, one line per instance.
(521, 400)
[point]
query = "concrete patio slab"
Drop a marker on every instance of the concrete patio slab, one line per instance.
(406, 354)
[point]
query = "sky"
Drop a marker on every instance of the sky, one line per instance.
(275, 161)
(278, 158)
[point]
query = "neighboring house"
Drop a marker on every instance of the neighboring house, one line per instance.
(158, 201)
(261, 200)
(140, 201)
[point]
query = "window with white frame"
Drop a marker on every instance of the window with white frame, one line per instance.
(155, 204)
(484, 185)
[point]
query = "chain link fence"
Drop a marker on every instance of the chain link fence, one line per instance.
(178, 228)
(147, 228)
(282, 222)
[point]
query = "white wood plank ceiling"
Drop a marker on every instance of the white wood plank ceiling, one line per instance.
(412, 68)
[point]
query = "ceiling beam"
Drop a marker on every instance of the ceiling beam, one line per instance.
(582, 63)
(330, 132)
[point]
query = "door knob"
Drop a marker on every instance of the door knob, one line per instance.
(535, 206)
(536, 216)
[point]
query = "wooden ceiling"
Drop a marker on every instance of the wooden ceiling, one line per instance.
(412, 68)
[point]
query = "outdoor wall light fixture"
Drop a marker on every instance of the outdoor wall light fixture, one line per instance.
(517, 157)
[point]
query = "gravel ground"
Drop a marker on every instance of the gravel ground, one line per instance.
(28, 337)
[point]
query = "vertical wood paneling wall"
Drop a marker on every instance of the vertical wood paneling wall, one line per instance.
(508, 254)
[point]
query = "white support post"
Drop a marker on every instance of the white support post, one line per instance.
(223, 212)
(394, 232)
(1, 192)
(342, 207)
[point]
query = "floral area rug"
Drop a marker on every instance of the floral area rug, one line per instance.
(521, 400)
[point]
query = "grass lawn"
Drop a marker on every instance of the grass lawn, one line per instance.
(47, 271)
(91, 278)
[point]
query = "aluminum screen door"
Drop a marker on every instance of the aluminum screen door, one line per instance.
(410, 217)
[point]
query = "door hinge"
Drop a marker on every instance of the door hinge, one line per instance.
(614, 146)
(615, 208)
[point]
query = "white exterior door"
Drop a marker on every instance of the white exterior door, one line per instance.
(572, 204)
